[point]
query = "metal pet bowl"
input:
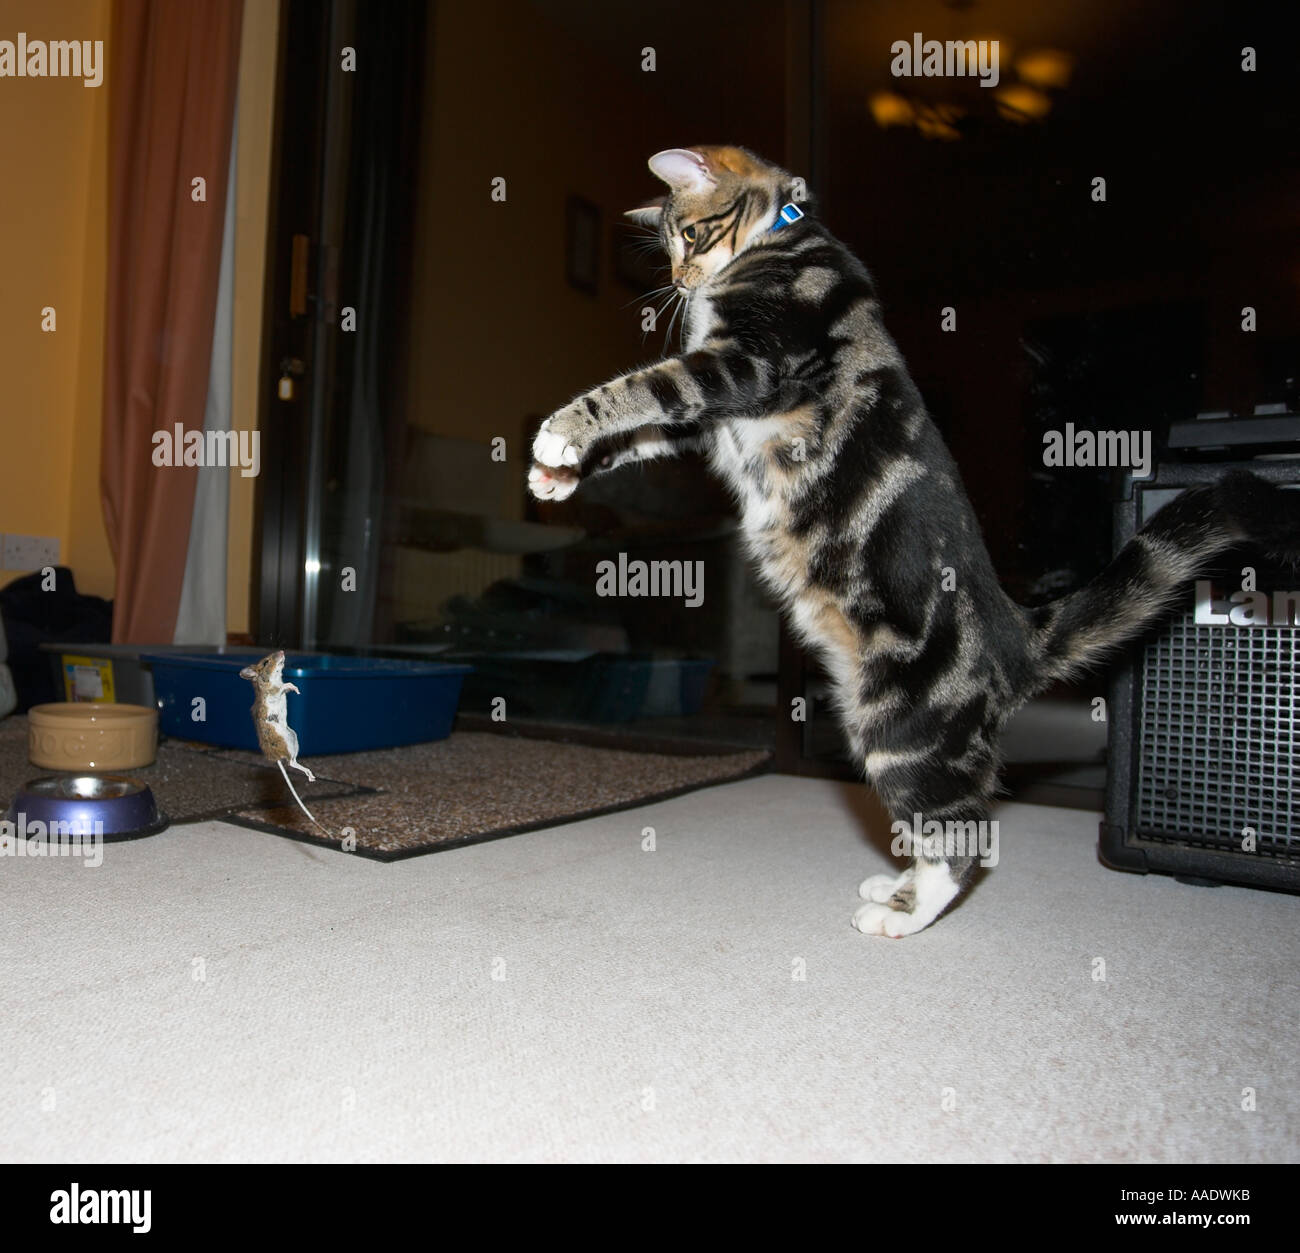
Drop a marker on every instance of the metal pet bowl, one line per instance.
(125, 806)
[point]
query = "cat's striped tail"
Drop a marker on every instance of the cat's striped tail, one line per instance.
(1186, 536)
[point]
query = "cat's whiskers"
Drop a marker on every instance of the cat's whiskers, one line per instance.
(650, 295)
(683, 300)
(672, 292)
(668, 334)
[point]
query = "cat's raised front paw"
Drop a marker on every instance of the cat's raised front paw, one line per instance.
(557, 442)
(553, 482)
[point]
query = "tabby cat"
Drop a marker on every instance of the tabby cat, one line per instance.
(853, 509)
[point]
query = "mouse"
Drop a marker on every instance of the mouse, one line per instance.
(277, 739)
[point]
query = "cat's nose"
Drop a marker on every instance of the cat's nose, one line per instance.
(680, 284)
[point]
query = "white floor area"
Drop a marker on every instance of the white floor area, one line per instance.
(218, 994)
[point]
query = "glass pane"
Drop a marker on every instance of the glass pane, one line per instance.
(526, 287)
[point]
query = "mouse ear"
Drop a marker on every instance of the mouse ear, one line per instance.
(247, 673)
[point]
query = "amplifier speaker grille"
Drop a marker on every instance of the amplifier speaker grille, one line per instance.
(1218, 725)
(1205, 721)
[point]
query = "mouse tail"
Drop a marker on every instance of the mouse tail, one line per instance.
(294, 790)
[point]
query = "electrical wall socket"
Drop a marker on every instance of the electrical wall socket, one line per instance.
(30, 552)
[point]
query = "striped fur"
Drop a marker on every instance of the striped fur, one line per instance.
(853, 509)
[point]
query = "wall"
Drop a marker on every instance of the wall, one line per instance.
(53, 251)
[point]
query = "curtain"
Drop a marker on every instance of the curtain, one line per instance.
(173, 69)
(201, 618)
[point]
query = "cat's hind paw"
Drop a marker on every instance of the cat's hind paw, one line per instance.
(880, 887)
(899, 905)
(874, 919)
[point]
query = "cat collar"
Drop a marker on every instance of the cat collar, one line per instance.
(789, 214)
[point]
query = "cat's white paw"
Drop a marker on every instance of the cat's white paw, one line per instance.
(930, 887)
(876, 919)
(880, 887)
(553, 448)
(552, 482)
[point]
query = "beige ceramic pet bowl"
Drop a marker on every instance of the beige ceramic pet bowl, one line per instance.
(91, 736)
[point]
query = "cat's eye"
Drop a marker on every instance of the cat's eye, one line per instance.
(688, 234)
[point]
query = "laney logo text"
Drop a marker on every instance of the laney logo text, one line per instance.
(1246, 608)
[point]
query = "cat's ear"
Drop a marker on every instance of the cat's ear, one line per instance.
(683, 170)
(648, 214)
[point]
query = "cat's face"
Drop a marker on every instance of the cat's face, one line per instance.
(720, 200)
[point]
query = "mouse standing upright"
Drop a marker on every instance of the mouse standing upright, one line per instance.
(277, 739)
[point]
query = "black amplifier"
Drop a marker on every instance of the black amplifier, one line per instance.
(1203, 779)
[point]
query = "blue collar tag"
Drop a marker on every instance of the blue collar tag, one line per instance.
(790, 213)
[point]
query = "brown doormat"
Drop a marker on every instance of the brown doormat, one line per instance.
(402, 802)
(476, 786)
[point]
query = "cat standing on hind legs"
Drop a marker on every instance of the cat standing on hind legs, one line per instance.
(853, 509)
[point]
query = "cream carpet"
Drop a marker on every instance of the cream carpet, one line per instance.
(213, 995)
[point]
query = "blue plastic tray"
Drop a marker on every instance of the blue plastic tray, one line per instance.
(348, 704)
